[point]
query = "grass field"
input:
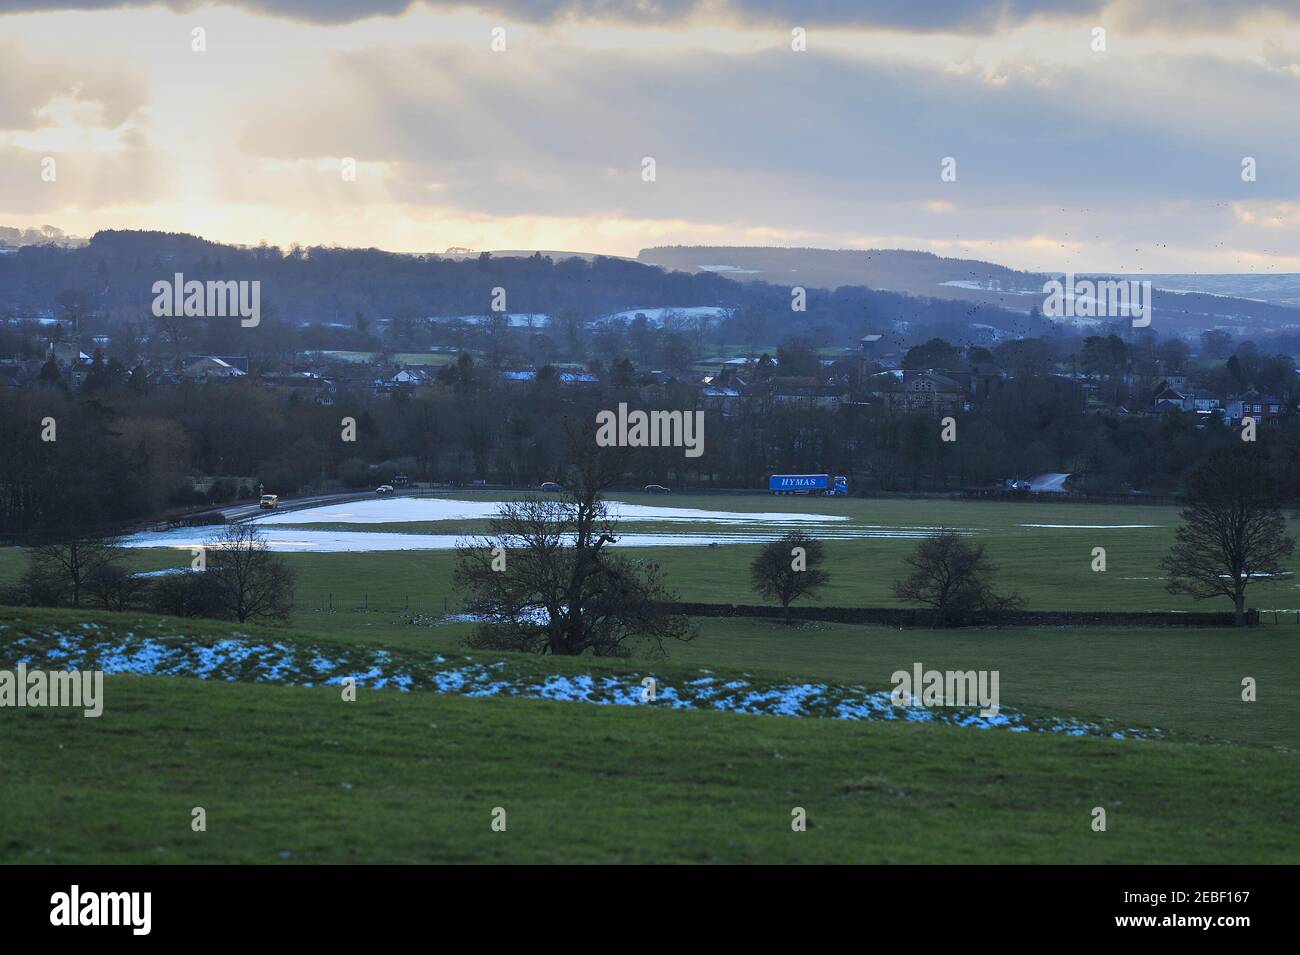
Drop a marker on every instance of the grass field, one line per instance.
(297, 775)
(291, 773)
(1051, 567)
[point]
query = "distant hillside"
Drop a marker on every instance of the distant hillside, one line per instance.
(459, 254)
(903, 293)
(345, 291)
(897, 270)
(1184, 304)
(13, 238)
(1281, 288)
(116, 270)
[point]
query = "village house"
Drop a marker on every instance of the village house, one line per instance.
(72, 362)
(1265, 409)
(808, 393)
(920, 390)
(205, 367)
(305, 384)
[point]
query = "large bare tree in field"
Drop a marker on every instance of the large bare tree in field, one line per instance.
(245, 578)
(952, 576)
(544, 579)
(788, 569)
(64, 569)
(1233, 533)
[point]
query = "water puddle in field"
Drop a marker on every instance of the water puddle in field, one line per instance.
(298, 540)
(738, 528)
(406, 510)
(290, 531)
(239, 658)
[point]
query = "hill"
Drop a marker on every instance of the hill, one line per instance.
(295, 774)
(1186, 304)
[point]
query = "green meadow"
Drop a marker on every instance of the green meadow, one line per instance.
(294, 774)
(290, 775)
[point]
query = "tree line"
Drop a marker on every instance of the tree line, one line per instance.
(126, 454)
(545, 580)
(234, 576)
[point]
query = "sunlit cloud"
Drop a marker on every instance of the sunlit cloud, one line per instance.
(1066, 157)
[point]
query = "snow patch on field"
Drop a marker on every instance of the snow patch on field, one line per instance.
(243, 659)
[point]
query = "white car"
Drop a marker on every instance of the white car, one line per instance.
(384, 489)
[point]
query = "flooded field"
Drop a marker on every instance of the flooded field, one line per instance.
(293, 531)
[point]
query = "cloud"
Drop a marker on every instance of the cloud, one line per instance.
(131, 176)
(919, 16)
(1065, 158)
(928, 15)
(539, 134)
(32, 85)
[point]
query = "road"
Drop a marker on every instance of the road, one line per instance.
(235, 513)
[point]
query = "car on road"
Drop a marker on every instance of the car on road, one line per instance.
(657, 489)
(551, 486)
(384, 489)
(269, 501)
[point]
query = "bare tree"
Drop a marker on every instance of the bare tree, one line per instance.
(788, 569)
(116, 588)
(952, 576)
(62, 570)
(246, 579)
(1232, 532)
(544, 580)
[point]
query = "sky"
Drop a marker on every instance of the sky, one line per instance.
(1070, 148)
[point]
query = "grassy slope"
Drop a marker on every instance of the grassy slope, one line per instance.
(1185, 681)
(299, 775)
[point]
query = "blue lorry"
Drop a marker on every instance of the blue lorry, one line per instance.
(808, 484)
